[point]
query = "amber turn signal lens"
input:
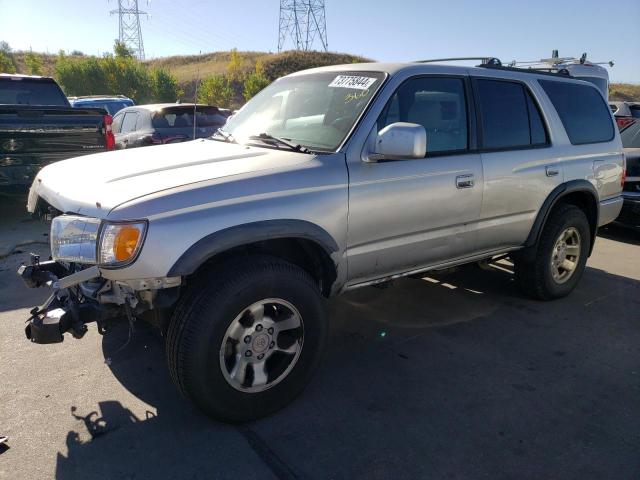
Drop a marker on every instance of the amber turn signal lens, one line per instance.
(125, 243)
(120, 242)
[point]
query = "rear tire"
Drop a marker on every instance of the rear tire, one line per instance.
(246, 339)
(560, 256)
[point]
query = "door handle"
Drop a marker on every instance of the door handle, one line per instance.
(551, 171)
(464, 181)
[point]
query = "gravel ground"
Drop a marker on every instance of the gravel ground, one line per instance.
(455, 376)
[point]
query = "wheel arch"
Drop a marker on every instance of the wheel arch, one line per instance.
(300, 242)
(580, 193)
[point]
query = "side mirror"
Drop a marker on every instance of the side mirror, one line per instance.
(400, 141)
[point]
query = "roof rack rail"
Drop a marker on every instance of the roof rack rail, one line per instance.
(485, 60)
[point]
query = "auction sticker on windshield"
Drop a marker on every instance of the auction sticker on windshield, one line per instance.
(352, 81)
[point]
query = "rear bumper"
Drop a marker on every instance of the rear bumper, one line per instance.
(609, 210)
(17, 178)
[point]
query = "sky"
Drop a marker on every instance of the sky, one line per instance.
(399, 30)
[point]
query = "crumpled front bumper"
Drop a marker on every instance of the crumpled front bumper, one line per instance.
(66, 309)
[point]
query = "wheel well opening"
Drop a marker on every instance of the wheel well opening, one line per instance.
(586, 202)
(302, 252)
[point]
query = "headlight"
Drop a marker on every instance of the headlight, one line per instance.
(121, 242)
(74, 238)
(89, 240)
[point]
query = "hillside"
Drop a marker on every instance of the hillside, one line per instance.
(189, 68)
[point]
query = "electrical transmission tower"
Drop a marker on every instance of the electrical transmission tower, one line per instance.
(129, 31)
(303, 21)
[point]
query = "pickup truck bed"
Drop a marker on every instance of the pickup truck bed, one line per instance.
(32, 136)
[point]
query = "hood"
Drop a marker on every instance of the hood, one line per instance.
(95, 184)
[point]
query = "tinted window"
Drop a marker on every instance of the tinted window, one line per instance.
(129, 122)
(510, 117)
(30, 92)
(631, 136)
(635, 111)
(583, 111)
(112, 107)
(181, 117)
(438, 104)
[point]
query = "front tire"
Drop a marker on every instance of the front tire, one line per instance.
(246, 339)
(560, 256)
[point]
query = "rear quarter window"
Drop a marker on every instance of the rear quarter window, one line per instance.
(582, 110)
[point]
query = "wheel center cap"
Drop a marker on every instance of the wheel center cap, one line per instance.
(260, 343)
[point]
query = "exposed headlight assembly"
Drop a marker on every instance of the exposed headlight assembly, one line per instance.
(90, 240)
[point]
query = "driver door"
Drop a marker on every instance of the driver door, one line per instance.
(408, 214)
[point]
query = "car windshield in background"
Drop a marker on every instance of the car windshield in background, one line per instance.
(182, 117)
(111, 107)
(30, 92)
(635, 111)
(316, 110)
(631, 136)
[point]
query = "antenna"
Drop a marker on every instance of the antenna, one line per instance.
(195, 103)
(303, 21)
(129, 31)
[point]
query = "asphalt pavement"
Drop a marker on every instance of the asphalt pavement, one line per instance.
(454, 376)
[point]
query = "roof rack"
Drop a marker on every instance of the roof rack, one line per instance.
(82, 97)
(494, 62)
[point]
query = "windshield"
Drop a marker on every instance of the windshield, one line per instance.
(316, 110)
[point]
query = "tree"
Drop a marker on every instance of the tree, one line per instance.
(34, 64)
(253, 84)
(216, 90)
(121, 50)
(234, 68)
(164, 86)
(7, 62)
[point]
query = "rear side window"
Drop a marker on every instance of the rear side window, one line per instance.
(583, 111)
(509, 116)
(129, 122)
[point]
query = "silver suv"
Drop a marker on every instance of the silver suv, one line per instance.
(328, 180)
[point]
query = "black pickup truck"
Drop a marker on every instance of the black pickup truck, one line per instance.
(38, 127)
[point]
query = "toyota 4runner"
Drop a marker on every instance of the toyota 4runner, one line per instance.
(328, 180)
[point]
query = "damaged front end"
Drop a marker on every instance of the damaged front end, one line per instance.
(80, 296)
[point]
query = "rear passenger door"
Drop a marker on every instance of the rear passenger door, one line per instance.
(520, 170)
(127, 130)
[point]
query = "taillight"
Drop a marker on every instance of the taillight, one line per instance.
(109, 139)
(624, 121)
(623, 178)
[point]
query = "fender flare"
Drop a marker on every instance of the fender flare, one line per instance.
(552, 200)
(245, 234)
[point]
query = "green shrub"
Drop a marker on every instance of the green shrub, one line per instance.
(216, 90)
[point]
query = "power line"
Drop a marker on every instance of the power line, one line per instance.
(303, 21)
(129, 31)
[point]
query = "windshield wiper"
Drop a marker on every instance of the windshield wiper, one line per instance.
(270, 139)
(227, 137)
